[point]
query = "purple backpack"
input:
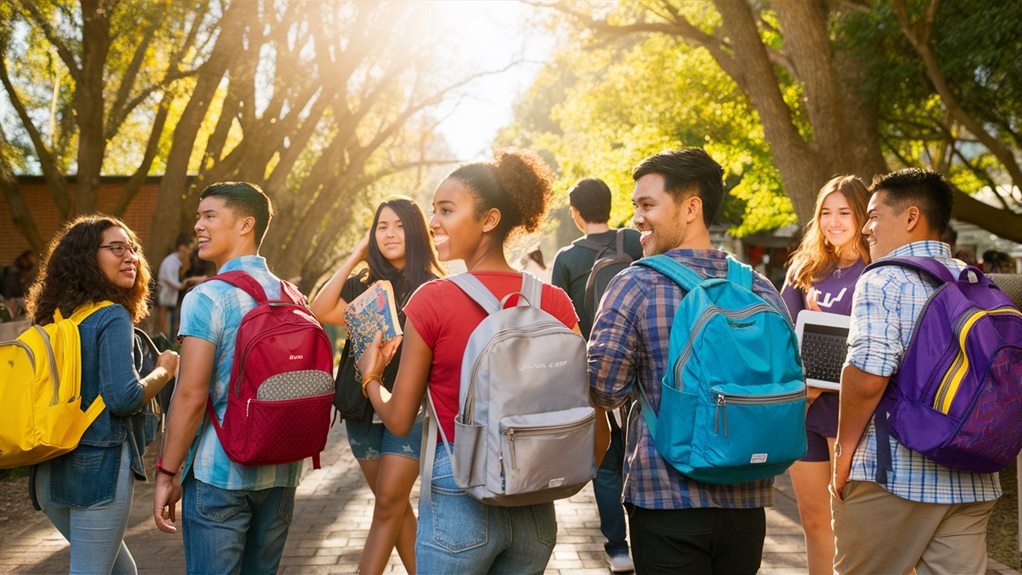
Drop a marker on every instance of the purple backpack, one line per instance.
(957, 395)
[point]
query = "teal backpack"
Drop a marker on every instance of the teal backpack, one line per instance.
(733, 399)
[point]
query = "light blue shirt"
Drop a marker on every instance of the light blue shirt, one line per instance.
(213, 311)
(888, 301)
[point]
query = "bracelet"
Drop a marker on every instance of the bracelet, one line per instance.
(161, 469)
(365, 381)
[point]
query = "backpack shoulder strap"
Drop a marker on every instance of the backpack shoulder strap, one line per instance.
(475, 289)
(619, 243)
(532, 290)
(677, 272)
(244, 282)
(928, 266)
(739, 273)
(289, 291)
(83, 311)
(590, 244)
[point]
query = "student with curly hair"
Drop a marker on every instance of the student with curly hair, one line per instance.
(96, 259)
(475, 210)
(821, 277)
(397, 248)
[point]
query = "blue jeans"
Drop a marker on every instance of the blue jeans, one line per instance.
(370, 440)
(234, 531)
(607, 487)
(96, 533)
(458, 534)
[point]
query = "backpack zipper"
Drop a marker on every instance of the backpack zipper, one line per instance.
(956, 373)
(468, 412)
(725, 398)
(705, 317)
(511, 432)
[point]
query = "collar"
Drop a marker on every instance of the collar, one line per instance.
(244, 263)
(927, 248)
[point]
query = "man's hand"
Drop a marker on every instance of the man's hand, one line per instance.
(842, 469)
(165, 500)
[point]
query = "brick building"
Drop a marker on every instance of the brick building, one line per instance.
(37, 196)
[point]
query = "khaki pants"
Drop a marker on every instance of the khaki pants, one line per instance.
(880, 533)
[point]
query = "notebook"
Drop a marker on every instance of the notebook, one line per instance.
(823, 343)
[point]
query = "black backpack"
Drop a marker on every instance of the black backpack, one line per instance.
(610, 260)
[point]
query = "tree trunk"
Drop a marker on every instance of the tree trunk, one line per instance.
(89, 104)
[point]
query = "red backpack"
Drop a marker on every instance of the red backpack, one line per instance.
(282, 385)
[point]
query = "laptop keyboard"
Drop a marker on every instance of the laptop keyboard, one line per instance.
(823, 356)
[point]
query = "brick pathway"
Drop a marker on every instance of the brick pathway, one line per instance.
(332, 515)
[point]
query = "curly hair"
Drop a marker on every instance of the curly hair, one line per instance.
(815, 256)
(517, 183)
(70, 274)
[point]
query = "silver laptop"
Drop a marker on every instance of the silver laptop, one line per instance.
(823, 343)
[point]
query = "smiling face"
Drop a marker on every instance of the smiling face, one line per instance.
(390, 237)
(456, 232)
(218, 230)
(658, 217)
(123, 269)
(837, 221)
(886, 226)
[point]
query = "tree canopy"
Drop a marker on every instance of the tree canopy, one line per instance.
(787, 94)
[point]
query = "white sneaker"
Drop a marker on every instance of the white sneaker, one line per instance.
(620, 563)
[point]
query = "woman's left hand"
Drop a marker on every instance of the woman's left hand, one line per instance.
(377, 356)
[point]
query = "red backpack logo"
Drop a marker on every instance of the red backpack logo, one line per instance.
(282, 384)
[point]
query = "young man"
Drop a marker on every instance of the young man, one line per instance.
(589, 203)
(171, 284)
(934, 518)
(677, 525)
(234, 516)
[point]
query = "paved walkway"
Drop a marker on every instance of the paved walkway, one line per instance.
(332, 515)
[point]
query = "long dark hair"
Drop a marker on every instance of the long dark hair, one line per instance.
(70, 275)
(421, 264)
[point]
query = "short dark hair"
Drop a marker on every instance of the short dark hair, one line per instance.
(183, 240)
(924, 188)
(683, 169)
(247, 199)
(591, 197)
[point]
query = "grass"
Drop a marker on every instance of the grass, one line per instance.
(12, 473)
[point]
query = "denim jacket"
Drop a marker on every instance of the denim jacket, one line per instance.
(87, 475)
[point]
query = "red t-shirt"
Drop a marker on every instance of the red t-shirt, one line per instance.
(445, 317)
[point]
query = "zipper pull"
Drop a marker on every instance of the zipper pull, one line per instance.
(721, 407)
(511, 444)
(248, 405)
(716, 414)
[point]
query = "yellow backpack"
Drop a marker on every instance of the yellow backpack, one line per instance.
(40, 391)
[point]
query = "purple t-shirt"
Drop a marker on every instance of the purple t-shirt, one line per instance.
(834, 292)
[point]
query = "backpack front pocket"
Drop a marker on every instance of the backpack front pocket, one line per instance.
(753, 425)
(547, 450)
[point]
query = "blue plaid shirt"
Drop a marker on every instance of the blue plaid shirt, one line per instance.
(887, 303)
(630, 338)
(213, 311)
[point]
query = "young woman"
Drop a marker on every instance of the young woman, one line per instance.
(475, 209)
(821, 277)
(95, 259)
(397, 248)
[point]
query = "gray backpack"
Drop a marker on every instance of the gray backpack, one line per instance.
(525, 426)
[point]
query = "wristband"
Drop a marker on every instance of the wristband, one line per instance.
(161, 469)
(366, 380)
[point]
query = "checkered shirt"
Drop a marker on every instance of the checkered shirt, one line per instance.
(630, 340)
(887, 303)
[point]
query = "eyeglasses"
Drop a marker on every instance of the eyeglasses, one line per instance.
(119, 249)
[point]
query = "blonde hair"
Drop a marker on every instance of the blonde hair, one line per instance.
(815, 256)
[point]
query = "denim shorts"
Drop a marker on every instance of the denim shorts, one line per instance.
(370, 440)
(460, 534)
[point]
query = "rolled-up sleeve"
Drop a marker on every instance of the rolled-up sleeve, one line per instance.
(119, 383)
(875, 343)
(614, 342)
